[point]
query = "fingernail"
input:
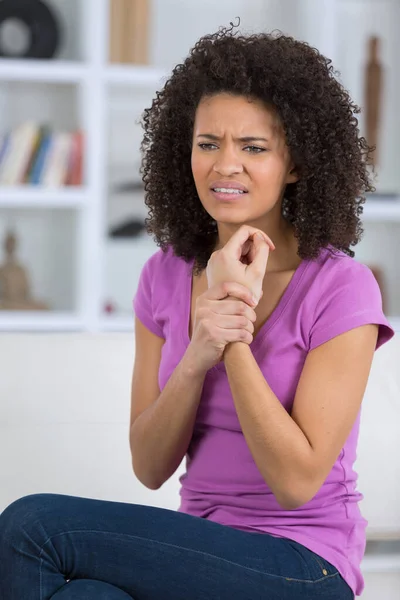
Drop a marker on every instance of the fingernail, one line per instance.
(261, 237)
(254, 300)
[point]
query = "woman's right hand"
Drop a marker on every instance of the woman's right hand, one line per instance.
(223, 314)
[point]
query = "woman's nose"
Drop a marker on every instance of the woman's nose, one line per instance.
(227, 163)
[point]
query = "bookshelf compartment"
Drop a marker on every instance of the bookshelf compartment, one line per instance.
(41, 142)
(47, 249)
(124, 259)
(55, 103)
(125, 106)
(65, 41)
(129, 32)
(70, 16)
(356, 22)
(126, 244)
(125, 194)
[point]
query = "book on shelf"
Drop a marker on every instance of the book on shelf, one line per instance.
(129, 31)
(34, 154)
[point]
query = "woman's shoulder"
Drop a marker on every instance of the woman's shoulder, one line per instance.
(165, 258)
(335, 267)
(161, 283)
(164, 267)
(335, 276)
(343, 293)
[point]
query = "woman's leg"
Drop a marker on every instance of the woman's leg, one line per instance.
(90, 590)
(150, 554)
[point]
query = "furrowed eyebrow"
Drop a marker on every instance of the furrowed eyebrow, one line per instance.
(211, 136)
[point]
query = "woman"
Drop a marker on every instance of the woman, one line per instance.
(255, 333)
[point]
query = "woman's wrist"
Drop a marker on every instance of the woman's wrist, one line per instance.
(235, 348)
(190, 366)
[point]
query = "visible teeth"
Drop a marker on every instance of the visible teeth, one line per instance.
(229, 190)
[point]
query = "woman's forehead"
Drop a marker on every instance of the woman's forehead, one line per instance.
(239, 115)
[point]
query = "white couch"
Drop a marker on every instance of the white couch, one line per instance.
(64, 416)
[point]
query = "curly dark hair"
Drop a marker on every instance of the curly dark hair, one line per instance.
(322, 135)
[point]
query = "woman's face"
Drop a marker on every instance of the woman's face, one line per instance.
(240, 161)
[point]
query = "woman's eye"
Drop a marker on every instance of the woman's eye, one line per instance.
(254, 149)
(250, 149)
(207, 146)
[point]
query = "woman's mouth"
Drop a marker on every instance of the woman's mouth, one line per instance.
(228, 194)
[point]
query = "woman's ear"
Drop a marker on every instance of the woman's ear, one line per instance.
(292, 175)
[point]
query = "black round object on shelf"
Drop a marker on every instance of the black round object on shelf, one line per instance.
(41, 27)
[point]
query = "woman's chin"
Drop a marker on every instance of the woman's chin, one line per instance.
(231, 214)
(233, 218)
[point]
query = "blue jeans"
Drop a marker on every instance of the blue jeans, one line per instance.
(63, 548)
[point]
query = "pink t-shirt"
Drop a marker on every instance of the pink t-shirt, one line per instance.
(325, 297)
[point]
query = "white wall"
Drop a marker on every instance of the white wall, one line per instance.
(64, 416)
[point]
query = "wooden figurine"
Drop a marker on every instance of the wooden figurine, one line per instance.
(14, 283)
(373, 96)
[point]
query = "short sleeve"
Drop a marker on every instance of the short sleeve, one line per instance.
(144, 300)
(351, 299)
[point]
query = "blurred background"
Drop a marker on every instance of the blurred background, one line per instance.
(75, 77)
(71, 96)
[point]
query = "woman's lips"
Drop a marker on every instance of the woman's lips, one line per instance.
(229, 196)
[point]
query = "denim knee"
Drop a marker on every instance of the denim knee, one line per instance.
(20, 513)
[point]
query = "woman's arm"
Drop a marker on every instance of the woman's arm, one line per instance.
(295, 452)
(161, 424)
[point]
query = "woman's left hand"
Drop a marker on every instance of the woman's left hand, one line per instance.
(243, 259)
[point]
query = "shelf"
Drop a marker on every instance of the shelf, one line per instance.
(23, 321)
(381, 210)
(37, 197)
(381, 563)
(134, 75)
(45, 71)
(53, 71)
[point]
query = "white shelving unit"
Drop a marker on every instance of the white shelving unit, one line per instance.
(138, 76)
(43, 71)
(381, 564)
(382, 210)
(34, 197)
(92, 78)
(94, 82)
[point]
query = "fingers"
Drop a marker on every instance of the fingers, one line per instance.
(240, 237)
(231, 288)
(247, 251)
(228, 319)
(231, 320)
(234, 322)
(230, 306)
(237, 335)
(259, 257)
